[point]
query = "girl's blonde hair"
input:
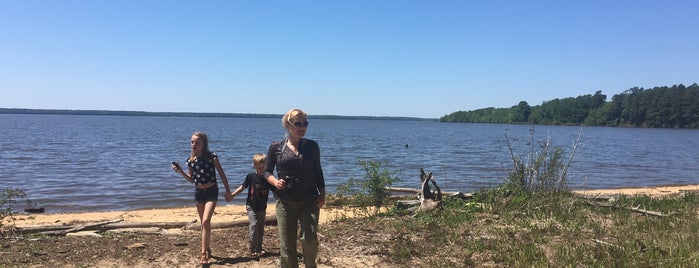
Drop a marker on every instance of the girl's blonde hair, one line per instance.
(205, 142)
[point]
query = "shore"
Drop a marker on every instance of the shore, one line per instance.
(654, 191)
(228, 213)
(223, 214)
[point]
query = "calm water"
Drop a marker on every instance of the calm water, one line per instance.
(104, 163)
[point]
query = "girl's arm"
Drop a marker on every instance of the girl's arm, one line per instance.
(187, 176)
(228, 195)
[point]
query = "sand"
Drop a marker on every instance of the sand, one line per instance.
(227, 213)
(223, 214)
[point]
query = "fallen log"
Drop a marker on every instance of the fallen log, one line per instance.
(164, 225)
(79, 228)
(419, 191)
(41, 228)
(270, 219)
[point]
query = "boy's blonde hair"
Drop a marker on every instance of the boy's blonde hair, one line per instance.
(259, 158)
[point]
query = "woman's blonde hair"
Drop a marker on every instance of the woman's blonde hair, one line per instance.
(286, 123)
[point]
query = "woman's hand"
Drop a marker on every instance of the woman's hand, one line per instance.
(280, 184)
(229, 196)
(320, 202)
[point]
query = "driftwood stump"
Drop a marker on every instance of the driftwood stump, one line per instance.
(429, 200)
(429, 196)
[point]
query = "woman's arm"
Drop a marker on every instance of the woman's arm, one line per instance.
(318, 176)
(270, 164)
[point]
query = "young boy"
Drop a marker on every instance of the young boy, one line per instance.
(256, 203)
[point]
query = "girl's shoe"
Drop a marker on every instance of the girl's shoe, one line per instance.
(204, 258)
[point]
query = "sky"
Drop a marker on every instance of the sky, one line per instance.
(358, 57)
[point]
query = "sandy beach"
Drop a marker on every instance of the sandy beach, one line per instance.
(228, 213)
(224, 213)
(654, 191)
(342, 245)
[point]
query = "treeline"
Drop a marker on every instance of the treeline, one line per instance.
(659, 107)
(185, 114)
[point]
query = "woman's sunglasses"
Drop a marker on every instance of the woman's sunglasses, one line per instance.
(301, 124)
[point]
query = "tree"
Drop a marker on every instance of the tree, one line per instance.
(521, 112)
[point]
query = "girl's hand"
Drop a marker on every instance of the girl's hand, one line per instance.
(176, 167)
(229, 197)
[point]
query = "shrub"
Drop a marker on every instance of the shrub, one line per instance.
(544, 167)
(8, 201)
(370, 190)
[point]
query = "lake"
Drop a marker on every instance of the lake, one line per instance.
(80, 163)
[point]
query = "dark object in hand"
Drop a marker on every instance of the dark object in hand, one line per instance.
(290, 182)
(177, 166)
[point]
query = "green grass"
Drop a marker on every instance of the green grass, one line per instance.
(554, 229)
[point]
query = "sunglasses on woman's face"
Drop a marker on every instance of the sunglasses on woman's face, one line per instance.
(301, 124)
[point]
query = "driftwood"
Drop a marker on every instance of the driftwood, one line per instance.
(636, 209)
(61, 230)
(78, 228)
(605, 243)
(101, 226)
(164, 225)
(270, 219)
(428, 199)
(418, 191)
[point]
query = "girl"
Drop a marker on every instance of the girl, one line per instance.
(202, 166)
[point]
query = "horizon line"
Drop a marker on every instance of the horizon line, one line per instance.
(191, 114)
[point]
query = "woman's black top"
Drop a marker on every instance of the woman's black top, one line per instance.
(302, 172)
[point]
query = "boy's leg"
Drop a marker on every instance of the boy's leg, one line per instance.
(252, 238)
(260, 230)
(309, 228)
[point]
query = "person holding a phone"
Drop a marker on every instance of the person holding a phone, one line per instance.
(202, 166)
(299, 188)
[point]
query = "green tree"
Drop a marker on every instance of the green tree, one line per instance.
(521, 112)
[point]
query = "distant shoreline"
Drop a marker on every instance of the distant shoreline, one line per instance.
(191, 114)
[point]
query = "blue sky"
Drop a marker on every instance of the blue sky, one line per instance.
(377, 58)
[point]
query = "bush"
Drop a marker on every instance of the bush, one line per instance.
(371, 190)
(8, 201)
(544, 168)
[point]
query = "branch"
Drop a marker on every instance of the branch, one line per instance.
(642, 211)
(605, 243)
(79, 228)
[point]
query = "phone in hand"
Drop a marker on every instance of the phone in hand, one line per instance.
(177, 166)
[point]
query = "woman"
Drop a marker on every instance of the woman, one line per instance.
(202, 166)
(299, 188)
